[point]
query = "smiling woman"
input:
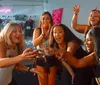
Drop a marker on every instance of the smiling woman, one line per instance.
(71, 52)
(95, 38)
(11, 52)
(89, 42)
(40, 41)
(93, 20)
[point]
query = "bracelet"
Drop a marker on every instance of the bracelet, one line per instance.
(43, 35)
(28, 69)
(76, 13)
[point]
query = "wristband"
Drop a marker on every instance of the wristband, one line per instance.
(28, 69)
(76, 13)
(43, 35)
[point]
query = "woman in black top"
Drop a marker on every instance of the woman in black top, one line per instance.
(62, 38)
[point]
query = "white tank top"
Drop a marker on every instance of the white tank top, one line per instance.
(6, 73)
(43, 45)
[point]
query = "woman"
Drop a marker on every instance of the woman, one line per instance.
(95, 37)
(63, 39)
(40, 41)
(93, 20)
(11, 44)
(92, 44)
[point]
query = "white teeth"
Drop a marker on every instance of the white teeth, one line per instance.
(57, 38)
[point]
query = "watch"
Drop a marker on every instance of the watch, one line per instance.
(28, 69)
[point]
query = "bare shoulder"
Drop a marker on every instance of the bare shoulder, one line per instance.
(36, 32)
(37, 29)
(72, 46)
(73, 43)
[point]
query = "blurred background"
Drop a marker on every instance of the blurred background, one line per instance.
(28, 12)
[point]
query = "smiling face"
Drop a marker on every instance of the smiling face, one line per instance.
(58, 34)
(94, 18)
(16, 35)
(89, 43)
(45, 20)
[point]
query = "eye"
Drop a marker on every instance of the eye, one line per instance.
(14, 31)
(60, 32)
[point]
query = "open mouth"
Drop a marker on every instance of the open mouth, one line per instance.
(58, 39)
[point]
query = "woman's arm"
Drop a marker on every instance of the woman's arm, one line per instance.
(79, 63)
(37, 37)
(20, 67)
(74, 24)
(72, 47)
(68, 67)
(5, 62)
(88, 60)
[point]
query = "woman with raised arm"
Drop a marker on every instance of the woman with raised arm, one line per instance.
(93, 20)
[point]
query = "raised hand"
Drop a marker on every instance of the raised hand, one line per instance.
(76, 9)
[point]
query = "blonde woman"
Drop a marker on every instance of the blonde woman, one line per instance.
(11, 47)
(93, 20)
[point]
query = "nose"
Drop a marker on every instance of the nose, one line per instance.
(44, 20)
(19, 33)
(92, 17)
(88, 44)
(57, 34)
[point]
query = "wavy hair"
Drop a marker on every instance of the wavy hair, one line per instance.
(68, 35)
(95, 35)
(6, 32)
(48, 13)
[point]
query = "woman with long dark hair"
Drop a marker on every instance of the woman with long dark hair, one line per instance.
(62, 38)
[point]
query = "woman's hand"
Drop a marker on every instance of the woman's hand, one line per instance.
(28, 54)
(60, 54)
(76, 9)
(35, 71)
(46, 30)
(57, 52)
(49, 50)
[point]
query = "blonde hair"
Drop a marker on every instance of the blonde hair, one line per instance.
(6, 32)
(94, 10)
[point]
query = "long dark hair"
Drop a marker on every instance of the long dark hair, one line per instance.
(95, 34)
(48, 13)
(68, 35)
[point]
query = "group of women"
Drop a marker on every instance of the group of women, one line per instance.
(61, 49)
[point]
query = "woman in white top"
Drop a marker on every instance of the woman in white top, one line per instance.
(11, 44)
(40, 41)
